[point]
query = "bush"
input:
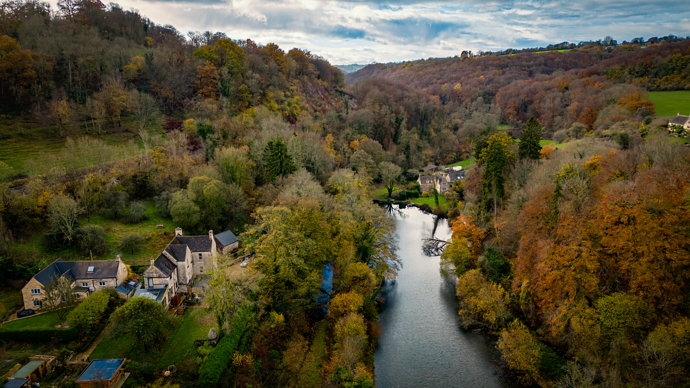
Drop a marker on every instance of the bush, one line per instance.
(560, 136)
(163, 203)
(577, 131)
(137, 213)
(91, 239)
(218, 360)
(114, 203)
(622, 139)
(132, 243)
(89, 313)
(426, 194)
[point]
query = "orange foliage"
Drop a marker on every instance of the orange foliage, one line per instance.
(463, 227)
(206, 84)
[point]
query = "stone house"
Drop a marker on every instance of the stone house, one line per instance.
(426, 183)
(448, 180)
(86, 277)
(185, 257)
(683, 121)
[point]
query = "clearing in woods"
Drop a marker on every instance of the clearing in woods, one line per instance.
(671, 103)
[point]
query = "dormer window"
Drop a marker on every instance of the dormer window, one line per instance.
(90, 269)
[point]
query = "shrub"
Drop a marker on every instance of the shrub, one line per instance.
(132, 243)
(146, 319)
(426, 194)
(89, 313)
(622, 139)
(114, 203)
(137, 213)
(91, 239)
(560, 136)
(218, 360)
(576, 131)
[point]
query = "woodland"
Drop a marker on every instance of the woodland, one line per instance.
(574, 255)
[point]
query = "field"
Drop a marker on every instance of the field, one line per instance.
(671, 103)
(178, 346)
(156, 239)
(465, 163)
(553, 51)
(431, 201)
(42, 321)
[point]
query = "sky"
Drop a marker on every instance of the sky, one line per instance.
(368, 31)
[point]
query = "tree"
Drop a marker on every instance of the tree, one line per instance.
(530, 137)
(59, 295)
(390, 175)
(63, 215)
(137, 213)
(113, 98)
(481, 302)
(496, 157)
(114, 202)
(132, 242)
(144, 318)
(520, 350)
(90, 195)
(278, 161)
(91, 240)
(143, 109)
(184, 211)
(458, 255)
(86, 316)
(15, 66)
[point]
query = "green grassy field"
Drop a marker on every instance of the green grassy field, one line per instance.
(465, 163)
(178, 346)
(431, 201)
(671, 103)
(551, 51)
(156, 239)
(42, 321)
(8, 299)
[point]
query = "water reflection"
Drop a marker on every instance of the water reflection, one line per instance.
(421, 343)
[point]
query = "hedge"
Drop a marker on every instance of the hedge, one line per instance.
(220, 357)
(39, 335)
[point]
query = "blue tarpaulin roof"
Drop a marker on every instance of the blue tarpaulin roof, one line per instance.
(100, 370)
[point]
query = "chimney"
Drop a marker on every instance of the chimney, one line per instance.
(210, 235)
(178, 231)
(152, 260)
(117, 257)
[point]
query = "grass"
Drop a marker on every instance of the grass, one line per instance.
(8, 299)
(309, 374)
(431, 201)
(156, 239)
(671, 103)
(551, 51)
(42, 321)
(179, 345)
(465, 163)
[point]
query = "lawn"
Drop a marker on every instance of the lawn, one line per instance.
(156, 239)
(178, 346)
(551, 51)
(42, 321)
(431, 201)
(8, 299)
(465, 163)
(671, 103)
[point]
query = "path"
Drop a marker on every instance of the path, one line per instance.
(85, 355)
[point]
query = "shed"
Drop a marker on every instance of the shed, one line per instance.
(102, 373)
(17, 383)
(228, 241)
(33, 370)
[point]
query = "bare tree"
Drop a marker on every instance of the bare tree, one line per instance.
(143, 108)
(63, 214)
(59, 295)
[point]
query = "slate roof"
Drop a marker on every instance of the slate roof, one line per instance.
(178, 251)
(679, 120)
(77, 270)
(454, 176)
(430, 167)
(15, 383)
(226, 238)
(425, 180)
(156, 294)
(126, 287)
(195, 243)
(101, 370)
(164, 265)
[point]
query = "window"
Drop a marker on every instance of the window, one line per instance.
(37, 303)
(35, 291)
(102, 284)
(150, 282)
(200, 256)
(84, 284)
(90, 269)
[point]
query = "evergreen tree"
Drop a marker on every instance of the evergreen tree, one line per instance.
(495, 157)
(278, 160)
(530, 136)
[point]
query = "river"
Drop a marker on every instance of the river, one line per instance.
(421, 343)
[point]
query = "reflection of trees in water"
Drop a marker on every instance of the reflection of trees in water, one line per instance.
(436, 219)
(393, 210)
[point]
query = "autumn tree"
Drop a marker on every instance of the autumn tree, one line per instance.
(520, 350)
(530, 137)
(59, 295)
(15, 66)
(206, 84)
(390, 175)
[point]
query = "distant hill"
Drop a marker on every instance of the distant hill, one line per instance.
(349, 68)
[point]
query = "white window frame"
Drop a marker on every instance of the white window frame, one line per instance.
(102, 284)
(84, 284)
(35, 291)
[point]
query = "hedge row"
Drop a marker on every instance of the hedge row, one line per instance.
(39, 335)
(218, 360)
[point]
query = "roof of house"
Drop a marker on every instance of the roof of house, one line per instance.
(679, 120)
(164, 265)
(195, 243)
(156, 294)
(27, 369)
(16, 383)
(454, 176)
(126, 287)
(100, 370)
(226, 238)
(426, 179)
(178, 251)
(102, 269)
(430, 167)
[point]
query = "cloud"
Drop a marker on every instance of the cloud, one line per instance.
(363, 31)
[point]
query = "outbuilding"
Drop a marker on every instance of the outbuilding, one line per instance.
(103, 373)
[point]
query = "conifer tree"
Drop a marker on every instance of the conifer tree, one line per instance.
(529, 140)
(278, 160)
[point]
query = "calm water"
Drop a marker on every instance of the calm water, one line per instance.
(421, 343)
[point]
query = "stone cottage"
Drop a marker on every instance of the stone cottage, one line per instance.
(683, 121)
(86, 277)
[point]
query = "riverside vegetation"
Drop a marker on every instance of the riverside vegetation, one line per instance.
(578, 259)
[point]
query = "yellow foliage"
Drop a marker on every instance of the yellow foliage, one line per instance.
(520, 350)
(189, 126)
(350, 325)
(359, 278)
(592, 165)
(346, 303)
(481, 301)
(242, 359)
(354, 145)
